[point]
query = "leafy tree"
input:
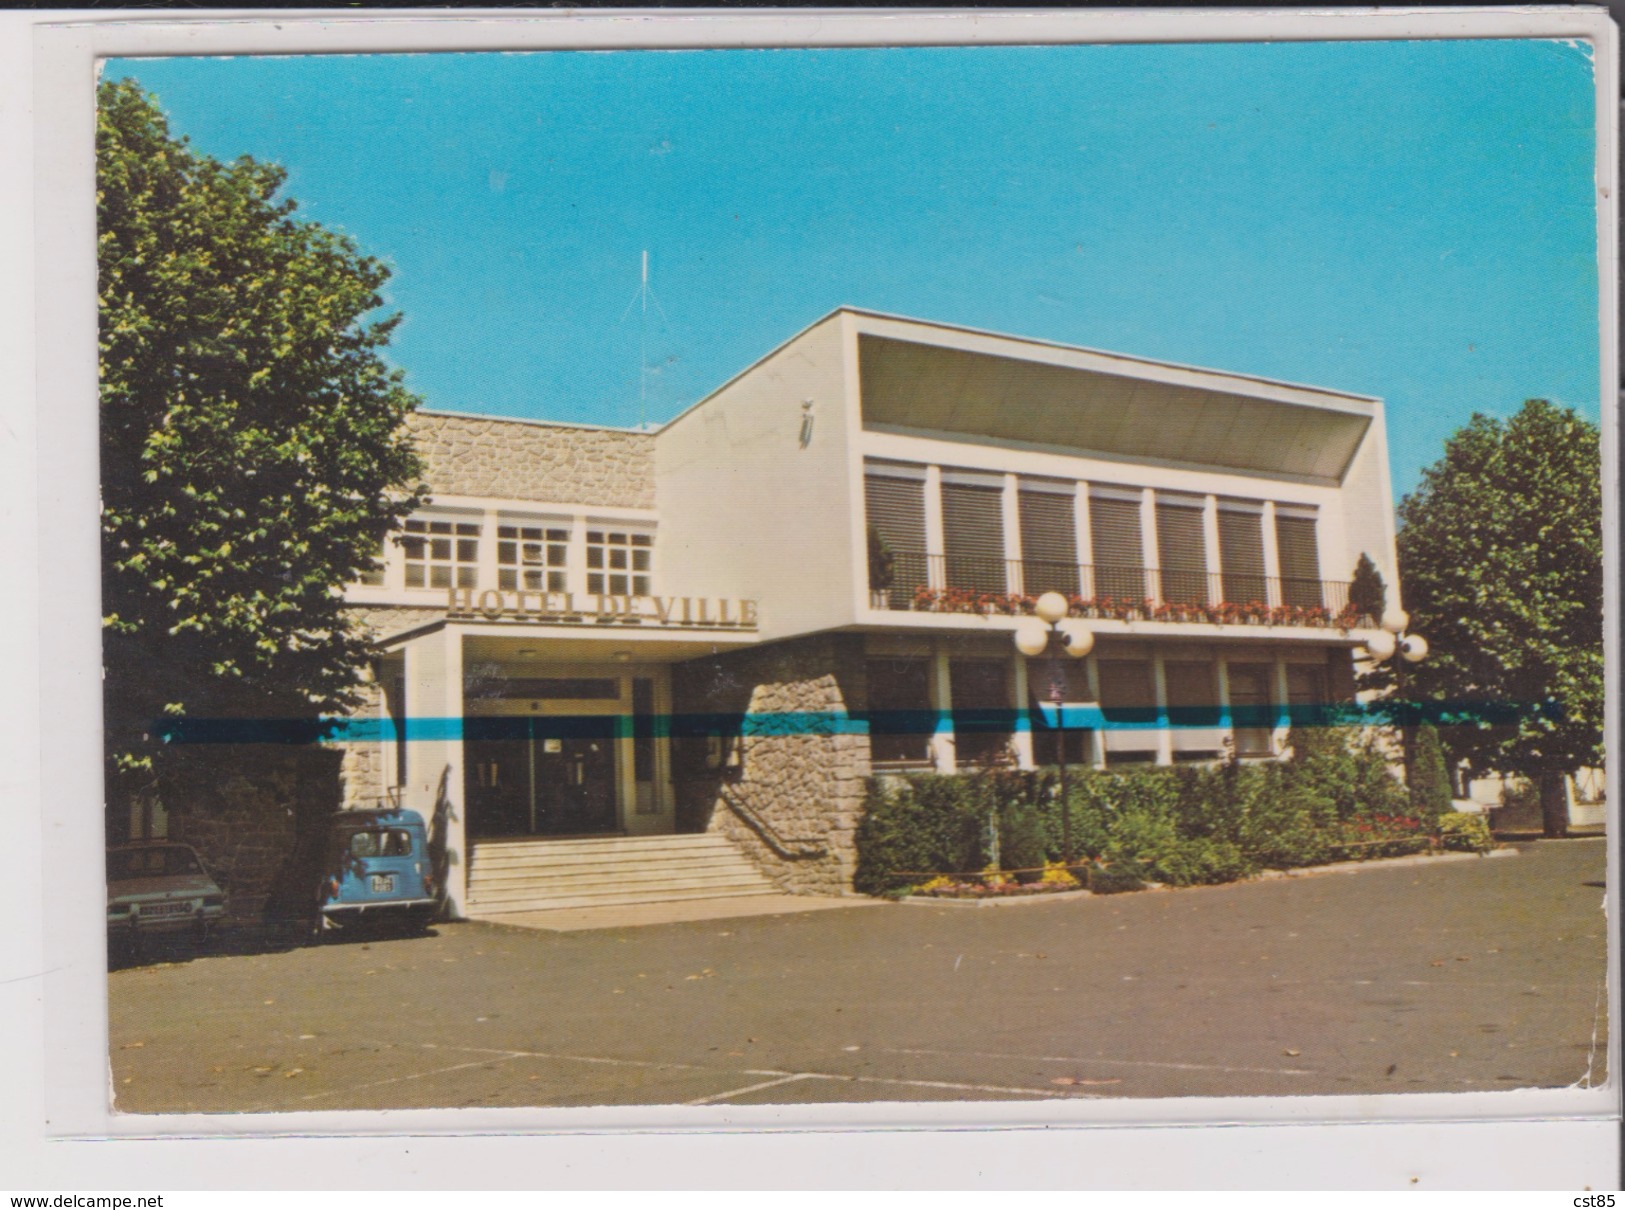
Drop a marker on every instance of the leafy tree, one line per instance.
(1367, 592)
(1500, 552)
(253, 455)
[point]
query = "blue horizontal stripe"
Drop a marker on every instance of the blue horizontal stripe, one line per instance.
(1082, 716)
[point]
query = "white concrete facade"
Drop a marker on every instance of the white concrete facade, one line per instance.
(759, 535)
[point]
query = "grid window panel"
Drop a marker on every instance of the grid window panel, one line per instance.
(532, 557)
(441, 554)
(619, 564)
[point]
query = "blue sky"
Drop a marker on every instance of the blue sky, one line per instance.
(1411, 220)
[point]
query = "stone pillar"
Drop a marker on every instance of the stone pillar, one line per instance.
(1097, 737)
(942, 701)
(1159, 688)
(1281, 693)
(1023, 736)
(1272, 556)
(1085, 540)
(1015, 574)
(1210, 542)
(936, 563)
(1149, 553)
(434, 749)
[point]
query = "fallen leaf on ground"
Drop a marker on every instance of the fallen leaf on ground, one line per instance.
(132, 1046)
(293, 1071)
(1293, 1053)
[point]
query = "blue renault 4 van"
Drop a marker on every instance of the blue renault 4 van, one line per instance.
(377, 871)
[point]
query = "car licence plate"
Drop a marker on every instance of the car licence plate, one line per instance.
(166, 909)
(383, 882)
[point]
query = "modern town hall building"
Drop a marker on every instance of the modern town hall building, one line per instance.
(658, 663)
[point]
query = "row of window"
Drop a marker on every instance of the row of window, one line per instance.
(976, 548)
(902, 718)
(446, 554)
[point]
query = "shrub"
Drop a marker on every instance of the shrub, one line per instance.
(1465, 833)
(919, 825)
(1023, 842)
(1428, 777)
(1178, 825)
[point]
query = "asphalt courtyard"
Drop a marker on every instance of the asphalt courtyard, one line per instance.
(1449, 975)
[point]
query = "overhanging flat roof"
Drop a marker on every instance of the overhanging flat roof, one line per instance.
(953, 382)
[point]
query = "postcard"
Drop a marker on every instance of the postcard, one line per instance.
(710, 579)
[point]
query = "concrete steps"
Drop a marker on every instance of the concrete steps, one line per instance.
(508, 876)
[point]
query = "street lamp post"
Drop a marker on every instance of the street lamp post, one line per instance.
(1411, 649)
(1053, 632)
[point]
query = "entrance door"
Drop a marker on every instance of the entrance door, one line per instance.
(541, 775)
(575, 781)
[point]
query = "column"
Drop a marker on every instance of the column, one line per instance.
(1097, 736)
(942, 701)
(1159, 688)
(575, 557)
(1280, 694)
(1015, 578)
(1225, 721)
(936, 563)
(1272, 556)
(1148, 544)
(434, 748)
(1210, 542)
(1019, 690)
(488, 549)
(1085, 540)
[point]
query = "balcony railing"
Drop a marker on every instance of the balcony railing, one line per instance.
(962, 584)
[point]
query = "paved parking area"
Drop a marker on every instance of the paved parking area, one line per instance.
(1445, 977)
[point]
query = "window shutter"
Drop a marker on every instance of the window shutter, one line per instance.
(1300, 558)
(1128, 703)
(1119, 558)
(1241, 550)
(1182, 550)
(1049, 538)
(895, 506)
(973, 533)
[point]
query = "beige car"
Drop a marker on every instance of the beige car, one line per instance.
(160, 887)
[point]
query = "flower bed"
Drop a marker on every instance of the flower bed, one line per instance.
(1124, 609)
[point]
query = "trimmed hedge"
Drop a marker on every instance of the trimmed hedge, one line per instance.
(1180, 825)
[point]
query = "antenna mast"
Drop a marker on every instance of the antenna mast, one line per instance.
(641, 300)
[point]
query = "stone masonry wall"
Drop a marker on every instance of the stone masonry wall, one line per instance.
(523, 460)
(256, 813)
(361, 768)
(808, 787)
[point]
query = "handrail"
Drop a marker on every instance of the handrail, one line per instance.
(791, 849)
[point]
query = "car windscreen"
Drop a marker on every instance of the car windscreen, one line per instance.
(381, 842)
(155, 862)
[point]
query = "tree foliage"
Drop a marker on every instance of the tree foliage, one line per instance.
(1500, 554)
(253, 456)
(1367, 591)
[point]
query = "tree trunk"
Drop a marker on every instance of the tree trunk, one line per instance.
(1554, 804)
